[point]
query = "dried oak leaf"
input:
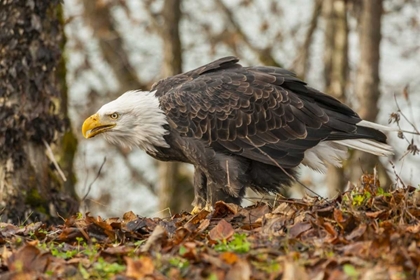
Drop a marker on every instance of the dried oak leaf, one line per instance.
(180, 234)
(357, 233)
(139, 268)
(192, 223)
(189, 251)
(69, 234)
(155, 238)
(28, 258)
(99, 229)
(222, 231)
(297, 229)
(203, 225)
(223, 209)
(129, 217)
(253, 215)
(118, 250)
(7, 230)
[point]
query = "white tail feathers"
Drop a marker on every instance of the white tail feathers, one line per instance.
(334, 152)
(383, 128)
(368, 146)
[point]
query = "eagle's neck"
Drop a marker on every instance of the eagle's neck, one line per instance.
(142, 122)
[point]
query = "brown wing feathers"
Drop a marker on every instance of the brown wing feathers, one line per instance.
(237, 108)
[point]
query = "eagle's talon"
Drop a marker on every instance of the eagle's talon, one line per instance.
(208, 208)
(196, 210)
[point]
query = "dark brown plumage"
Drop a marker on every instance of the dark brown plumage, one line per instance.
(247, 113)
(239, 126)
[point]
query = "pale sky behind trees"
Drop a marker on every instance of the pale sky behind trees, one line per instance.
(92, 82)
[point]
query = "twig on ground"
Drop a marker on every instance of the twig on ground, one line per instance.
(50, 155)
(94, 180)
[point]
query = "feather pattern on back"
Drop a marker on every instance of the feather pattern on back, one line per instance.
(250, 111)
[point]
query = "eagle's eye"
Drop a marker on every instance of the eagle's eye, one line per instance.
(114, 116)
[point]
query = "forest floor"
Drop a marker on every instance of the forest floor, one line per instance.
(366, 233)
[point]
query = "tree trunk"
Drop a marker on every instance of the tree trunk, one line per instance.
(367, 82)
(175, 190)
(31, 117)
(336, 71)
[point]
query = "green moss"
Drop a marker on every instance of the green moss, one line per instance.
(34, 198)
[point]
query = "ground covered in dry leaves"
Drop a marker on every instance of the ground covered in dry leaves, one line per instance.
(366, 233)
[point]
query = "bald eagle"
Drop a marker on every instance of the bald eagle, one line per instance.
(239, 126)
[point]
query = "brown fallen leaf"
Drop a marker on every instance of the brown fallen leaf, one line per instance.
(256, 212)
(357, 232)
(413, 228)
(330, 229)
(376, 214)
(293, 271)
(360, 248)
(69, 234)
(8, 230)
(297, 229)
(31, 228)
(139, 268)
(180, 234)
(156, 235)
(129, 217)
(223, 209)
(99, 229)
(192, 223)
(217, 262)
(285, 209)
(240, 270)
(222, 231)
(118, 250)
(203, 226)
(28, 258)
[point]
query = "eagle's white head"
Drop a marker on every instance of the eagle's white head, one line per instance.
(133, 119)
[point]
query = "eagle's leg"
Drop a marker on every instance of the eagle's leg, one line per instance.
(200, 191)
(211, 186)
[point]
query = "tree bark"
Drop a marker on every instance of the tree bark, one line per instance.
(175, 190)
(336, 71)
(31, 118)
(367, 82)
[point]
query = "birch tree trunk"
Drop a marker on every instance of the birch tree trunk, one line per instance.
(32, 119)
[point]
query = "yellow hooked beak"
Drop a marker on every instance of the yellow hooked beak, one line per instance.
(93, 126)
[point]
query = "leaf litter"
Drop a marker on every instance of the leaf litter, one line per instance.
(365, 233)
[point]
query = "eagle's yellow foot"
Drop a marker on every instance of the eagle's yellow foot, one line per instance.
(196, 210)
(209, 207)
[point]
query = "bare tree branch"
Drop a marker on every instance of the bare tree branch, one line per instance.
(301, 63)
(264, 55)
(135, 172)
(97, 15)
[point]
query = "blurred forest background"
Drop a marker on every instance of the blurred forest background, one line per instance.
(364, 52)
